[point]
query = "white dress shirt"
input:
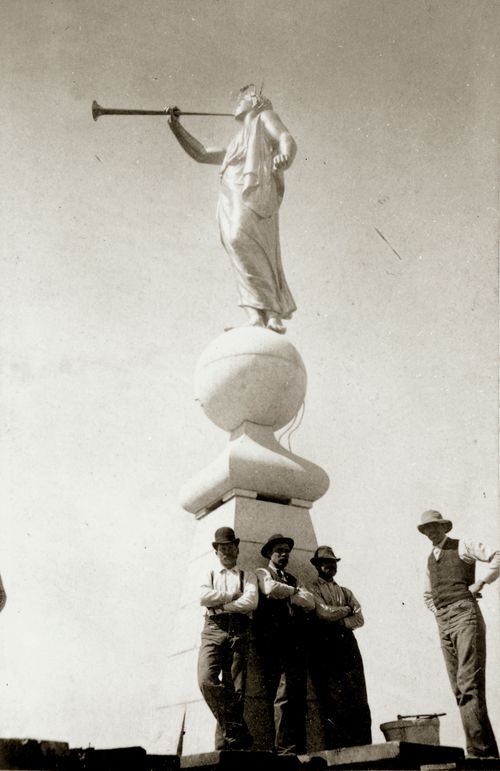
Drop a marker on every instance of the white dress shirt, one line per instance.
(469, 551)
(220, 586)
(274, 586)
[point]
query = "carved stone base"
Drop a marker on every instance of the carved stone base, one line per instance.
(254, 460)
(251, 382)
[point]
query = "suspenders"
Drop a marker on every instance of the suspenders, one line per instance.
(211, 613)
(242, 579)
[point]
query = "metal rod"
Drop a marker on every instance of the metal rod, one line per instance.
(429, 714)
(97, 111)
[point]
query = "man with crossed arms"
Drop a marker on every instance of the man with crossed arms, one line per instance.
(230, 595)
(280, 629)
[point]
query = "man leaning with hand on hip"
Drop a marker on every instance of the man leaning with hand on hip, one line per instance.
(451, 593)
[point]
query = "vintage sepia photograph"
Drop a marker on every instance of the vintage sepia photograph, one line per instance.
(249, 385)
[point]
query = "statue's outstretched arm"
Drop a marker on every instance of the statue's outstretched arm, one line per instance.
(277, 130)
(192, 146)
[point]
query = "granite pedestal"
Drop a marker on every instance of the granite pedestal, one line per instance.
(250, 382)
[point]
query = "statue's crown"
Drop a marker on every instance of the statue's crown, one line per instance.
(248, 89)
(260, 101)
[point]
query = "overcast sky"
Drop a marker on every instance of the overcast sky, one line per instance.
(114, 281)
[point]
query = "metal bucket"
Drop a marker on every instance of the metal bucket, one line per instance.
(420, 729)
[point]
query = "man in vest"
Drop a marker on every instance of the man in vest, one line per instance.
(279, 625)
(451, 593)
(229, 595)
(335, 660)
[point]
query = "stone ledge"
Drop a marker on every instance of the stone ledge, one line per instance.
(468, 764)
(391, 755)
(241, 760)
(123, 758)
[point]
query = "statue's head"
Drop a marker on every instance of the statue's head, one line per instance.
(249, 99)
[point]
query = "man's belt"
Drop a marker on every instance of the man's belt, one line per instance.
(471, 599)
(212, 613)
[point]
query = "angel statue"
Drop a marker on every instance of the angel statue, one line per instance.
(251, 191)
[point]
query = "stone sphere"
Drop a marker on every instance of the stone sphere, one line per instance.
(250, 373)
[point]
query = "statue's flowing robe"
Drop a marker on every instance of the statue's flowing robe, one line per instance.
(247, 212)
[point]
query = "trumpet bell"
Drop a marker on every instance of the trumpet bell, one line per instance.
(96, 110)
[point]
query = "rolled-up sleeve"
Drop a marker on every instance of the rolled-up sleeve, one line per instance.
(303, 598)
(428, 593)
(356, 619)
(249, 599)
(210, 597)
(329, 612)
(472, 551)
(275, 590)
(324, 611)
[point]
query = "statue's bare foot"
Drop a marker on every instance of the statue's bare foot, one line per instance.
(275, 324)
(256, 317)
(256, 322)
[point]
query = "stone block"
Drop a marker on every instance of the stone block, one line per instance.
(123, 759)
(162, 762)
(391, 755)
(468, 764)
(241, 760)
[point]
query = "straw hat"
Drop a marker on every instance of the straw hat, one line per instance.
(434, 518)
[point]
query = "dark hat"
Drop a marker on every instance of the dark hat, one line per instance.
(274, 539)
(324, 554)
(434, 517)
(224, 535)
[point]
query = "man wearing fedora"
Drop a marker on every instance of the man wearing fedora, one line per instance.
(451, 593)
(230, 595)
(335, 660)
(279, 625)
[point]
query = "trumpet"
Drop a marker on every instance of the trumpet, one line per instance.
(97, 111)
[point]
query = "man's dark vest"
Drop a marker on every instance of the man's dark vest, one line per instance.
(450, 576)
(275, 617)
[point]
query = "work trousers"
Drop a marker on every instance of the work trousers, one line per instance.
(283, 665)
(222, 665)
(338, 677)
(463, 642)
